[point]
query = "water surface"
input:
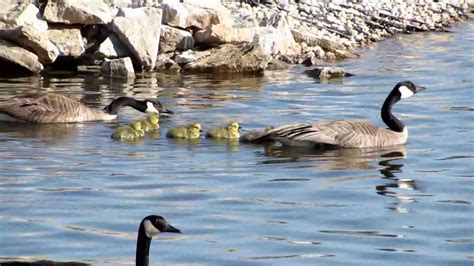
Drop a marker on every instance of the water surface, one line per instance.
(69, 192)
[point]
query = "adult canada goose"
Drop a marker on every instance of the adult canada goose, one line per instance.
(230, 131)
(150, 227)
(350, 134)
(56, 108)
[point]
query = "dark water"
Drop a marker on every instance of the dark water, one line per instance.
(68, 192)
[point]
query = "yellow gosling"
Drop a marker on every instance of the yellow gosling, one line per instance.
(191, 131)
(231, 131)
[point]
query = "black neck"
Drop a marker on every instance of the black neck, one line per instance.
(388, 118)
(120, 102)
(143, 248)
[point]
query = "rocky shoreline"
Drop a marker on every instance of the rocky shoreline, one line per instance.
(122, 37)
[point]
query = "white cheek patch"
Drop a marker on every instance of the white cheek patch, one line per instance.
(150, 229)
(150, 108)
(405, 92)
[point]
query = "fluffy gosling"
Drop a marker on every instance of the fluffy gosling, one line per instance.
(191, 131)
(131, 132)
(231, 131)
(150, 123)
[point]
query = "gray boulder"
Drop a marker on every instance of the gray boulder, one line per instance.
(327, 73)
(118, 68)
(139, 30)
(21, 25)
(67, 39)
(172, 39)
(19, 56)
(77, 12)
(111, 47)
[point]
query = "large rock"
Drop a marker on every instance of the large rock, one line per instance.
(19, 56)
(188, 16)
(21, 24)
(111, 47)
(273, 35)
(172, 39)
(139, 30)
(78, 12)
(301, 35)
(67, 39)
(20, 14)
(118, 68)
(229, 58)
(327, 73)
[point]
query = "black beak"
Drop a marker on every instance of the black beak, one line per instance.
(240, 128)
(166, 111)
(200, 130)
(419, 88)
(172, 229)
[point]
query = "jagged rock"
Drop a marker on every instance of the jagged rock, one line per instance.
(20, 24)
(229, 58)
(19, 56)
(188, 16)
(165, 64)
(224, 33)
(343, 54)
(172, 39)
(327, 73)
(325, 43)
(111, 47)
(118, 68)
(20, 14)
(275, 37)
(139, 30)
(77, 12)
(67, 39)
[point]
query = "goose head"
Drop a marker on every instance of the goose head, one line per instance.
(155, 106)
(406, 89)
(155, 224)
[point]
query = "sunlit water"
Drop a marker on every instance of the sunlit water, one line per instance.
(70, 193)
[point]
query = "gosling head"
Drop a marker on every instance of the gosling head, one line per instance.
(406, 89)
(195, 130)
(154, 224)
(155, 106)
(234, 129)
(136, 125)
(153, 119)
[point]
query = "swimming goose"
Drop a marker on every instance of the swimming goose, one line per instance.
(56, 108)
(230, 131)
(252, 136)
(150, 227)
(191, 131)
(350, 134)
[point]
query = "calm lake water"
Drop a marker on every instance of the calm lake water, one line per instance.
(70, 193)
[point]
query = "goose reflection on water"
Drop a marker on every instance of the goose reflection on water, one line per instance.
(388, 160)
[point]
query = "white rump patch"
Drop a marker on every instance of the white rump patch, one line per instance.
(405, 92)
(150, 229)
(150, 108)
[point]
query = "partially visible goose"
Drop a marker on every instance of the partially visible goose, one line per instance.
(349, 134)
(150, 226)
(56, 108)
